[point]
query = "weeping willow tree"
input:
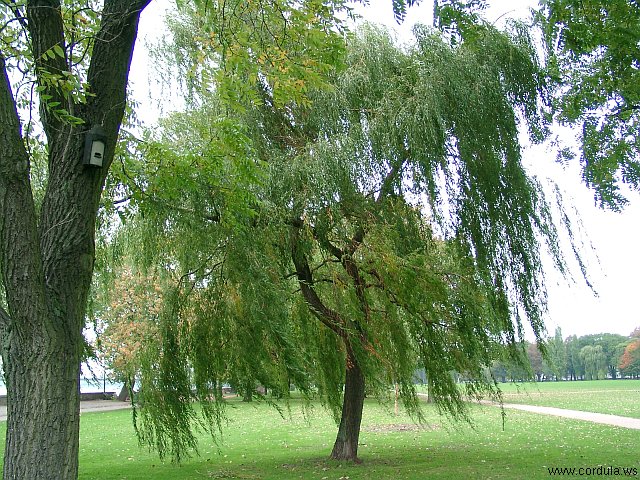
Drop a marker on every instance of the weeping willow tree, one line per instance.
(336, 243)
(412, 229)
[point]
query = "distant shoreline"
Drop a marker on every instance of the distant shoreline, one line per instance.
(84, 397)
(87, 386)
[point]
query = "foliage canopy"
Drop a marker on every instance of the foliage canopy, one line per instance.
(594, 49)
(385, 214)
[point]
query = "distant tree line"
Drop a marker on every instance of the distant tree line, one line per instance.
(590, 357)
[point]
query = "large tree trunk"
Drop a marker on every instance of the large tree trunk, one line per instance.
(47, 257)
(40, 346)
(346, 444)
(43, 421)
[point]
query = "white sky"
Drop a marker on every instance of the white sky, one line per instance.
(572, 306)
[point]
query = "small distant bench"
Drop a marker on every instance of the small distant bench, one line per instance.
(85, 397)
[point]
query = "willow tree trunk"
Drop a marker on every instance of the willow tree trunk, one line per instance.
(248, 391)
(346, 444)
(429, 391)
(47, 256)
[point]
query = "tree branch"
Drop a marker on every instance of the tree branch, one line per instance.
(46, 29)
(215, 217)
(19, 16)
(387, 183)
(393, 298)
(385, 190)
(326, 243)
(12, 149)
(350, 266)
(120, 201)
(330, 318)
(20, 258)
(111, 60)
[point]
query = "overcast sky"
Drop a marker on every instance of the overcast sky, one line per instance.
(615, 265)
(572, 306)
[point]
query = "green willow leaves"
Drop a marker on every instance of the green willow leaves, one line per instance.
(290, 45)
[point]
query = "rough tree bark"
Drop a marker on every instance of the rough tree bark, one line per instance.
(346, 444)
(47, 257)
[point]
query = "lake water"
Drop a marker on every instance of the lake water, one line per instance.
(86, 386)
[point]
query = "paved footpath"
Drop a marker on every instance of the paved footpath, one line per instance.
(602, 418)
(605, 419)
(88, 406)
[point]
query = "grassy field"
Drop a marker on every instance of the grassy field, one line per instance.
(259, 444)
(617, 397)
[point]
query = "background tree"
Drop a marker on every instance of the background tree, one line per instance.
(575, 364)
(126, 322)
(609, 343)
(77, 58)
(507, 370)
(535, 359)
(556, 364)
(595, 362)
(630, 359)
(499, 371)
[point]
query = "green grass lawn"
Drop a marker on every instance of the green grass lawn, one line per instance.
(617, 397)
(259, 444)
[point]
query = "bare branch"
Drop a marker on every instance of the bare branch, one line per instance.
(19, 15)
(120, 201)
(330, 318)
(387, 183)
